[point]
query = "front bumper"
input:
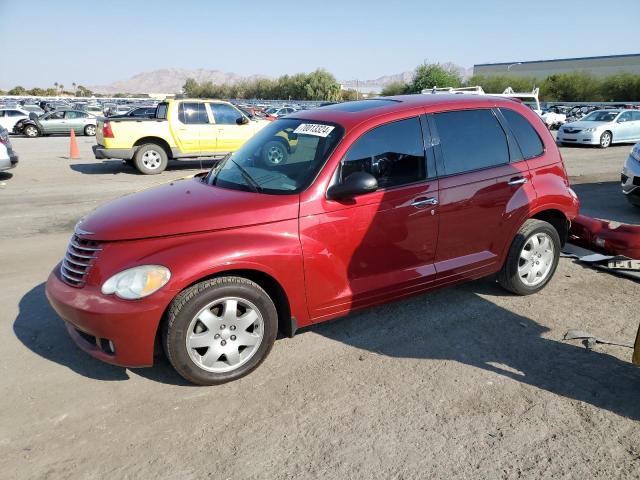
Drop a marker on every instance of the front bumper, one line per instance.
(630, 180)
(101, 152)
(582, 138)
(93, 319)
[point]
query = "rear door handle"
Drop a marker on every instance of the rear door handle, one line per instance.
(517, 181)
(423, 202)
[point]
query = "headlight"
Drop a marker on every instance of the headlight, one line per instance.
(137, 282)
(635, 152)
(588, 130)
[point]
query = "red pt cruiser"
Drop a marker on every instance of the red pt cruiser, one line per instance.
(365, 203)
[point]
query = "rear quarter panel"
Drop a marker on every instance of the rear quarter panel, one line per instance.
(126, 132)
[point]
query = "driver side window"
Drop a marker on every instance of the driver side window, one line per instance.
(393, 153)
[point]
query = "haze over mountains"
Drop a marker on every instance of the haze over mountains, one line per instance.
(171, 80)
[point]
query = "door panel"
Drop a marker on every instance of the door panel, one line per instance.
(377, 246)
(191, 125)
(477, 210)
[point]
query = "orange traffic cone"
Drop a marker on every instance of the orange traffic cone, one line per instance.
(74, 152)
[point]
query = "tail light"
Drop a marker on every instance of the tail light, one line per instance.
(106, 130)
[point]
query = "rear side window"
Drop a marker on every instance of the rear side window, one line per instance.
(393, 153)
(192, 113)
(526, 136)
(224, 114)
(161, 111)
(14, 113)
(471, 140)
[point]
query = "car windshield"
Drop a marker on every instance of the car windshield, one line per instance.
(600, 116)
(282, 158)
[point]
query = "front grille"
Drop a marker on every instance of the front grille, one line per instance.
(78, 260)
(572, 130)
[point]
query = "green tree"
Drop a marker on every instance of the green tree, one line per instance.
(572, 87)
(624, 87)
(433, 75)
(395, 88)
(37, 92)
(18, 90)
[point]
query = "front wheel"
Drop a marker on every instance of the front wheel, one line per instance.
(90, 130)
(532, 258)
(31, 131)
(605, 140)
(219, 330)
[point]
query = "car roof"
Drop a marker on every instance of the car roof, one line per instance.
(350, 114)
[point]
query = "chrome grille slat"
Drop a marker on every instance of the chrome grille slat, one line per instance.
(78, 260)
(75, 262)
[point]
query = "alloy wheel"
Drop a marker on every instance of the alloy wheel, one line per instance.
(275, 155)
(151, 159)
(536, 259)
(225, 334)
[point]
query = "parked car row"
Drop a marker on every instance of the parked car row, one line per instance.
(602, 128)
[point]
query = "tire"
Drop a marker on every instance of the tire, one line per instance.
(31, 131)
(605, 139)
(90, 130)
(542, 263)
(275, 153)
(151, 159)
(217, 354)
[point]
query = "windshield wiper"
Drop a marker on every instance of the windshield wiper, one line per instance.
(247, 177)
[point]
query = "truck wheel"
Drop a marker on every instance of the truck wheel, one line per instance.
(532, 258)
(275, 153)
(90, 130)
(31, 131)
(151, 159)
(219, 330)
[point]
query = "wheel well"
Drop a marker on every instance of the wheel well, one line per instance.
(558, 220)
(158, 141)
(286, 324)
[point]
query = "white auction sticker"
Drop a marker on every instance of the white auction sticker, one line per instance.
(316, 129)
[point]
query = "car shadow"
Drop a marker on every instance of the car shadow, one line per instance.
(458, 324)
(5, 176)
(42, 331)
(605, 200)
(114, 167)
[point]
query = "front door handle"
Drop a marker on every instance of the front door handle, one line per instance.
(517, 181)
(423, 202)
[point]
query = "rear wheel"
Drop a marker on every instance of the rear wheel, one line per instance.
(90, 130)
(605, 139)
(275, 153)
(151, 159)
(532, 258)
(31, 131)
(219, 330)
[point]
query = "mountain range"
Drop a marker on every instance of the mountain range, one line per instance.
(171, 80)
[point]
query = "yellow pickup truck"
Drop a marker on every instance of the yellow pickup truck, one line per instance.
(181, 129)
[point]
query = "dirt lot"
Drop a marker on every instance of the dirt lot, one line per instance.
(468, 382)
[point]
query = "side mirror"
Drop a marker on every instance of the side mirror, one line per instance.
(242, 120)
(358, 183)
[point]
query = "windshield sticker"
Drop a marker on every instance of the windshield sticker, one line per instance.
(316, 129)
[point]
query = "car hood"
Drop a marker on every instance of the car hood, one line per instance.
(583, 125)
(184, 206)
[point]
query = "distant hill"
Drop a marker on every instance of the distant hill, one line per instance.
(171, 80)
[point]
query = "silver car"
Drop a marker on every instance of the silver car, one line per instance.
(602, 127)
(630, 178)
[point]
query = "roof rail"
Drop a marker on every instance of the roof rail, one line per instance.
(477, 90)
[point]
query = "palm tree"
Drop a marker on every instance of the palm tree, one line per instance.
(74, 87)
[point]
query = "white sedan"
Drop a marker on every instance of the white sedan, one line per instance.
(10, 116)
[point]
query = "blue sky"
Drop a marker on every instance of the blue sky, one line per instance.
(97, 42)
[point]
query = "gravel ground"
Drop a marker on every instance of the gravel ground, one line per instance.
(465, 382)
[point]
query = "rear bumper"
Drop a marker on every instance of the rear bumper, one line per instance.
(100, 152)
(8, 163)
(93, 319)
